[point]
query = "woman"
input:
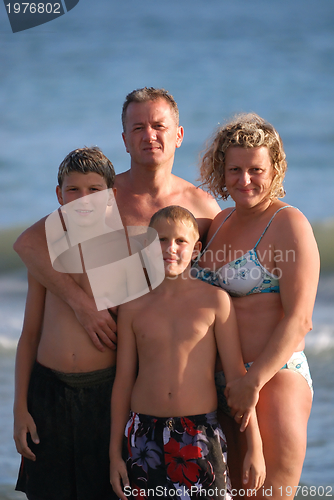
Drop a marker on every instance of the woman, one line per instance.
(264, 254)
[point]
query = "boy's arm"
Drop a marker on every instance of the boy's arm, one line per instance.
(228, 343)
(25, 357)
(126, 373)
(254, 467)
(32, 248)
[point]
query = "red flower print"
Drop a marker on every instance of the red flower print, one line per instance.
(181, 467)
(189, 427)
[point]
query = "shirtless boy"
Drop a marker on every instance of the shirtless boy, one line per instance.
(62, 382)
(167, 349)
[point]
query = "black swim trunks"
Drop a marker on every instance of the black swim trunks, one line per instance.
(72, 416)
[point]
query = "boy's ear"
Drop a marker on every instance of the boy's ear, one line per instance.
(112, 195)
(197, 250)
(59, 195)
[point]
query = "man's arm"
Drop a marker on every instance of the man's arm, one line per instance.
(32, 248)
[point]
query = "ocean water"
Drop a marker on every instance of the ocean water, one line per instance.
(62, 86)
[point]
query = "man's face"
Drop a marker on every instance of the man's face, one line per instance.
(151, 134)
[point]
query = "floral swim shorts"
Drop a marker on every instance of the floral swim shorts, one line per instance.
(176, 458)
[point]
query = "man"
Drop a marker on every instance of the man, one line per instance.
(151, 134)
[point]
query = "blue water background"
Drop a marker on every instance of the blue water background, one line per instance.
(62, 86)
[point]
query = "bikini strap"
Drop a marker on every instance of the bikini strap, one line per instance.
(282, 208)
(213, 237)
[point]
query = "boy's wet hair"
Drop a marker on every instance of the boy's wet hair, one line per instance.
(147, 94)
(84, 161)
(176, 214)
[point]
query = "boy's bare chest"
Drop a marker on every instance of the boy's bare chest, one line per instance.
(173, 324)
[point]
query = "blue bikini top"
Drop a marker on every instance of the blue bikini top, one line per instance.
(243, 276)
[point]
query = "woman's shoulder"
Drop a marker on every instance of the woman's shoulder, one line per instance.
(290, 223)
(288, 213)
(218, 221)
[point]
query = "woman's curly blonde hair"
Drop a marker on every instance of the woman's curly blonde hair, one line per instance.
(246, 130)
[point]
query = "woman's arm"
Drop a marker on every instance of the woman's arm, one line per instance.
(25, 357)
(126, 373)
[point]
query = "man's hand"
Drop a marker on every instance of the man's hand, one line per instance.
(100, 325)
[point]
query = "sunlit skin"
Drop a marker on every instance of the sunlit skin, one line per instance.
(151, 134)
(77, 185)
(248, 176)
(272, 326)
(167, 348)
(151, 137)
(86, 198)
(179, 243)
(51, 333)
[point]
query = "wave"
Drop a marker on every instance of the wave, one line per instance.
(9, 260)
(7, 344)
(324, 234)
(320, 340)
(323, 231)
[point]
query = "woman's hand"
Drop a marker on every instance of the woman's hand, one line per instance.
(242, 398)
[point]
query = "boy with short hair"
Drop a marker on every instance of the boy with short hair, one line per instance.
(166, 355)
(62, 382)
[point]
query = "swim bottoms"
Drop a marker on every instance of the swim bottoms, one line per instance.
(176, 457)
(72, 416)
(297, 363)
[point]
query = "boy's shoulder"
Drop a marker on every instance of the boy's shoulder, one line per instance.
(210, 293)
(135, 305)
(202, 294)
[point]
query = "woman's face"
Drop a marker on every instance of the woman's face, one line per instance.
(248, 175)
